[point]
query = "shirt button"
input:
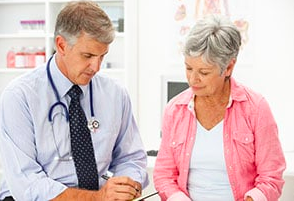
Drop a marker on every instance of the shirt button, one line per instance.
(246, 139)
(174, 143)
(187, 154)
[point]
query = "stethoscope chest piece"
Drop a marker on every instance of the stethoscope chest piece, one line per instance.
(93, 125)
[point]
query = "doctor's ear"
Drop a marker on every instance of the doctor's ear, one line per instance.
(60, 44)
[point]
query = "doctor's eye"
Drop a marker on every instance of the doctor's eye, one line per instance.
(188, 68)
(88, 56)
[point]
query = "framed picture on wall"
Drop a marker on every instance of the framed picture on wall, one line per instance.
(184, 13)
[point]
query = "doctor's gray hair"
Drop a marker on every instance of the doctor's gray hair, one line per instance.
(81, 17)
(214, 38)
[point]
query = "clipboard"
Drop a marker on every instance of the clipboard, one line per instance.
(145, 196)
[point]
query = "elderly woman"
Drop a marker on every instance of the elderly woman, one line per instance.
(219, 138)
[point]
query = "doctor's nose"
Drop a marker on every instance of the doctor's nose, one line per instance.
(95, 64)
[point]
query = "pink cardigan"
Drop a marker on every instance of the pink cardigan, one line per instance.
(253, 153)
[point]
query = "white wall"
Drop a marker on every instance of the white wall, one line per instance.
(271, 72)
(151, 45)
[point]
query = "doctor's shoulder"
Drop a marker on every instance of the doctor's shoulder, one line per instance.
(29, 80)
(105, 82)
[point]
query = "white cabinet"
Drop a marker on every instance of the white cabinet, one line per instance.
(122, 55)
(121, 60)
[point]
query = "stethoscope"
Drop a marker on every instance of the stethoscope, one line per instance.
(93, 124)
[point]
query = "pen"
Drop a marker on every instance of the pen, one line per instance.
(144, 197)
(108, 175)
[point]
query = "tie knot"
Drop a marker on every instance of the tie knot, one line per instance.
(75, 92)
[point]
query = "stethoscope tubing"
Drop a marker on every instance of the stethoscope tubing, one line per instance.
(92, 124)
(58, 102)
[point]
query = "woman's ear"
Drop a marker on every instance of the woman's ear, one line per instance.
(60, 44)
(230, 68)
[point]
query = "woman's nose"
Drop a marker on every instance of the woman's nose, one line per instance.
(194, 78)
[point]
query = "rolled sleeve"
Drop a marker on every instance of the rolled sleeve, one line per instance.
(179, 196)
(25, 177)
(26, 183)
(256, 195)
(270, 159)
(129, 155)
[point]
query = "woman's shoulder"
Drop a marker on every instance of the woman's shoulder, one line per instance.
(248, 98)
(183, 98)
(242, 92)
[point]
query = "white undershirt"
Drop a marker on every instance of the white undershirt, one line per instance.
(208, 178)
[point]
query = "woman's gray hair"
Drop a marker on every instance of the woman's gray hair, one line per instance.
(216, 39)
(84, 17)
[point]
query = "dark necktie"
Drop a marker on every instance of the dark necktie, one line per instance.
(81, 143)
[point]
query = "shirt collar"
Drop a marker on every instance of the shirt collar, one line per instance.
(62, 83)
(237, 94)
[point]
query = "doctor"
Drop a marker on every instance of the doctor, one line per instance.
(35, 119)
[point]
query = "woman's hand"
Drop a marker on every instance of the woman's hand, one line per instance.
(248, 198)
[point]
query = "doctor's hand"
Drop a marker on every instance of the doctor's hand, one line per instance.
(116, 188)
(120, 188)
